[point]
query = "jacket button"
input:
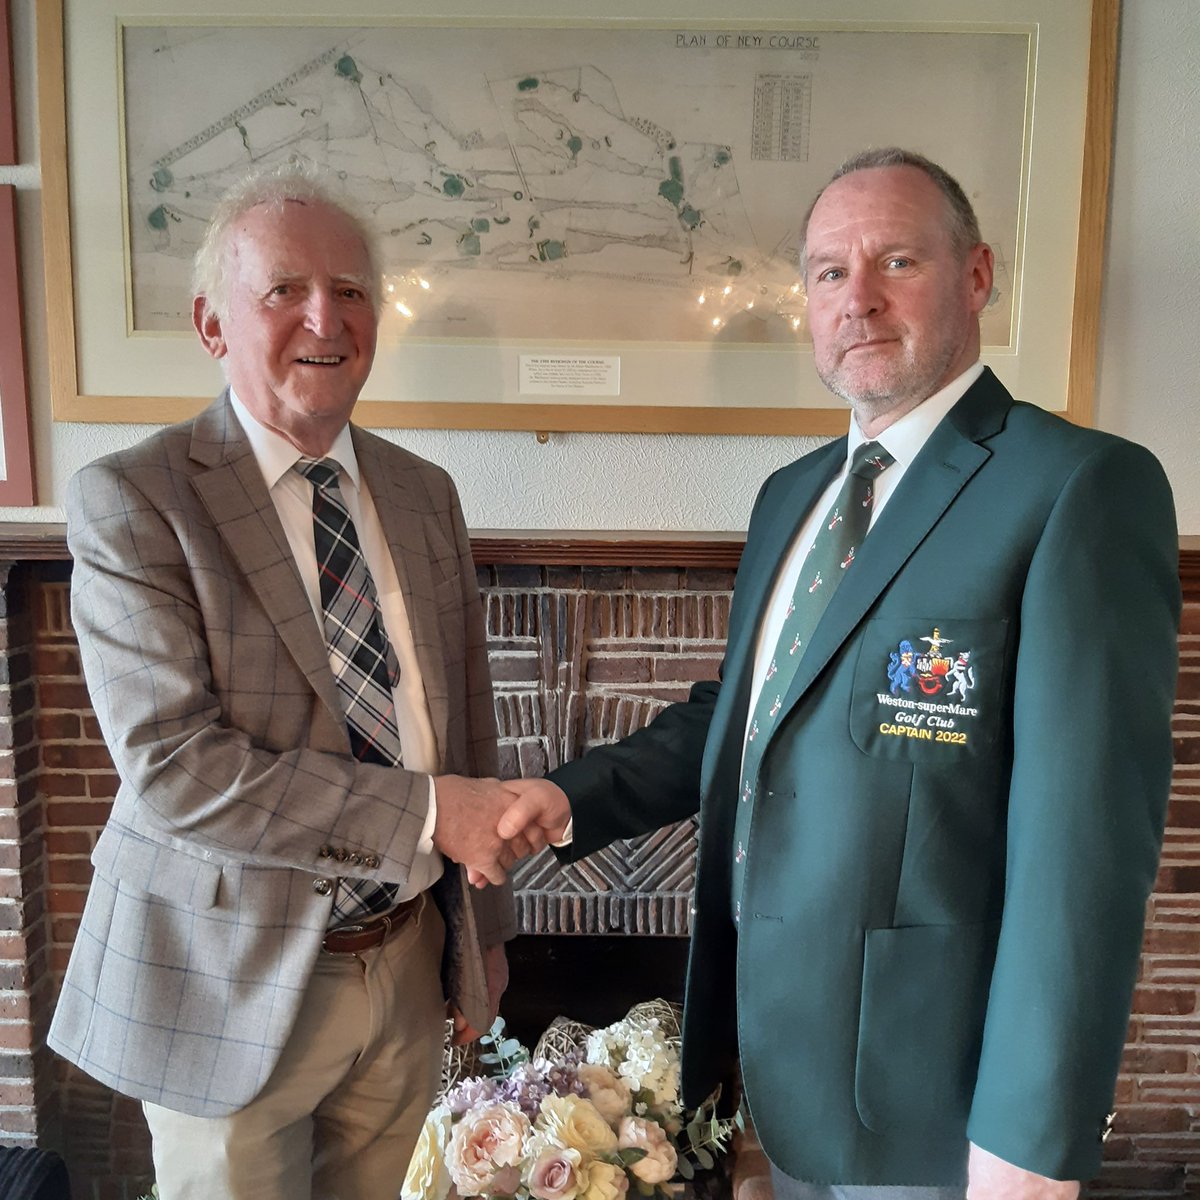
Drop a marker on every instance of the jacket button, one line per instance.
(341, 855)
(322, 887)
(372, 861)
(325, 852)
(356, 859)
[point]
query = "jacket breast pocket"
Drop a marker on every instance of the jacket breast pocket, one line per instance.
(185, 880)
(924, 999)
(929, 689)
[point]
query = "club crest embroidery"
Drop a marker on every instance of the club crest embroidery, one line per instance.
(929, 684)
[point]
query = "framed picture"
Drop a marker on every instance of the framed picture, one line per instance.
(586, 225)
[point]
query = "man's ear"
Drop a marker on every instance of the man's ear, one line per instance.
(980, 268)
(208, 326)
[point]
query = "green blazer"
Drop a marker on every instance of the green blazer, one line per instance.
(949, 857)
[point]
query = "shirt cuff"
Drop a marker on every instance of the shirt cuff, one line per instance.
(425, 845)
(568, 835)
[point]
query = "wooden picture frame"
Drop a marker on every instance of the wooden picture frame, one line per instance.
(17, 484)
(99, 377)
(8, 109)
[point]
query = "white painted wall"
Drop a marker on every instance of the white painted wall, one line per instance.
(1149, 366)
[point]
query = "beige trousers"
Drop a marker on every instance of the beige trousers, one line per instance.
(340, 1114)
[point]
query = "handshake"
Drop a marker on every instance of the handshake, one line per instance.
(488, 825)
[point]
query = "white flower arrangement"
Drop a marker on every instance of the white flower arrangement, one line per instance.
(587, 1123)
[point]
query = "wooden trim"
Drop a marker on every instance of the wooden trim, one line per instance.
(30, 542)
(1093, 211)
(56, 211)
(16, 488)
(8, 107)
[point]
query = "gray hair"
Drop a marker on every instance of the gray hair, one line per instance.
(271, 188)
(961, 222)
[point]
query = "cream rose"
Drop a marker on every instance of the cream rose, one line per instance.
(577, 1124)
(605, 1181)
(483, 1143)
(554, 1174)
(660, 1161)
(607, 1091)
(427, 1177)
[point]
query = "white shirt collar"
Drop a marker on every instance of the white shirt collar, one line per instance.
(276, 456)
(904, 439)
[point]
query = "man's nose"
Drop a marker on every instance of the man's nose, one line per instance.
(322, 315)
(863, 296)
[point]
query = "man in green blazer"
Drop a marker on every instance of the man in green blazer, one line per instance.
(929, 819)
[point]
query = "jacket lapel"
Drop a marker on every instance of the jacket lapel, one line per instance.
(232, 490)
(953, 453)
(781, 511)
(403, 505)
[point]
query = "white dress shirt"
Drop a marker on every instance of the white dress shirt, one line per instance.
(292, 496)
(903, 440)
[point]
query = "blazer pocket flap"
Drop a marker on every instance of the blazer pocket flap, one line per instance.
(924, 999)
(160, 870)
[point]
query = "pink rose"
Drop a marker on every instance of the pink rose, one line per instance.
(483, 1143)
(554, 1174)
(660, 1161)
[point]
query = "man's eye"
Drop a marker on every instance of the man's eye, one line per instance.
(899, 263)
(353, 293)
(281, 289)
(832, 275)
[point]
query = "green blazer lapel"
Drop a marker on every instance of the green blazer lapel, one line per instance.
(787, 500)
(953, 453)
(231, 488)
(404, 507)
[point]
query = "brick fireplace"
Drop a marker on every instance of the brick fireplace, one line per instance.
(589, 638)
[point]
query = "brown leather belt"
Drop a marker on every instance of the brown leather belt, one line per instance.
(356, 936)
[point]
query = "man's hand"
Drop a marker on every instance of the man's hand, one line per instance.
(991, 1178)
(465, 829)
(539, 815)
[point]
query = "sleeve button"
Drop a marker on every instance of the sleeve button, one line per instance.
(322, 887)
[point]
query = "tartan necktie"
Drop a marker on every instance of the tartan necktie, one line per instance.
(363, 660)
(829, 558)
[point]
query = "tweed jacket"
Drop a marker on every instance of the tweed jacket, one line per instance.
(211, 681)
(957, 816)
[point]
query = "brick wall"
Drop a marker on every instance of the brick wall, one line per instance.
(580, 655)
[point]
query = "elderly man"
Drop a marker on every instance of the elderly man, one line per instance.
(283, 640)
(933, 778)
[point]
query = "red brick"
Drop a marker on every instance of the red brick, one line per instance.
(78, 756)
(680, 667)
(57, 660)
(618, 670)
(70, 870)
(1144, 1060)
(1178, 879)
(63, 785)
(1175, 1002)
(65, 900)
(16, 1095)
(64, 929)
(74, 696)
(58, 726)
(68, 841)
(16, 1035)
(91, 727)
(1172, 941)
(83, 813)
(102, 785)
(17, 1121)
(14, 1006)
